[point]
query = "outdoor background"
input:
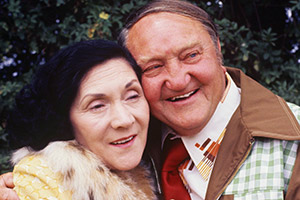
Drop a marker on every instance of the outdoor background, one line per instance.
(261, 37)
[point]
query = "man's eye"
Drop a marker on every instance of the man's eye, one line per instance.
(153, 70)
(192, 57)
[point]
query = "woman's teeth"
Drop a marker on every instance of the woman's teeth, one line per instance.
(123, 141)
(183, 96)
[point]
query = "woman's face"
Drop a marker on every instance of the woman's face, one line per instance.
(110, 114)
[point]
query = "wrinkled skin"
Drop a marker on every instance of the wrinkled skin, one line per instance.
(183, 78)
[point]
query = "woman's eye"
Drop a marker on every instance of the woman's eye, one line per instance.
(132, 95)
(97, 107)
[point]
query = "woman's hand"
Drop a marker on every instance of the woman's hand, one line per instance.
(6, 187)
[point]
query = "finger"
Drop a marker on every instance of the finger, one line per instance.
(6, 180)
(6, 185)
(8, 194)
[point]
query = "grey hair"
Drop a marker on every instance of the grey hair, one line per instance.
(179, 7)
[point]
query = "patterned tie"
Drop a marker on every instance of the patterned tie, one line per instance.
(172, 184)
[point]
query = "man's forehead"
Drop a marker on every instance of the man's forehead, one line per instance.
(162, 21)
(148, 56)
(148, 39)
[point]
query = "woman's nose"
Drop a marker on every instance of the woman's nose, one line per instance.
(121, 117)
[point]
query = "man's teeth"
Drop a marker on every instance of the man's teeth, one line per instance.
(123, 141)
(183, 96)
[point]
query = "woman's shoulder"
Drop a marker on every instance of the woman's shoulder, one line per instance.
(83, 173)
(35, 169)
(34, 179)
(65, 163)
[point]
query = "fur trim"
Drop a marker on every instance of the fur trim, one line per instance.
(87, 177)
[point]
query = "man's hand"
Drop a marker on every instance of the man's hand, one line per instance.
(6, 185)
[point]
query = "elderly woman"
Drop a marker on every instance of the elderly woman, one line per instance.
(82, 124)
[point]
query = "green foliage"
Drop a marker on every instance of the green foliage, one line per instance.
(4, 160)
(258, 54)
(31, 31)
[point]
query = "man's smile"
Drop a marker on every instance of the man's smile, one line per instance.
(182, 97)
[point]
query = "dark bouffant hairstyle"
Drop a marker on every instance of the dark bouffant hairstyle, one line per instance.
(41, 112)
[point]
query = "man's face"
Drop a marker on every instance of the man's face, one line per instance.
(183, 78)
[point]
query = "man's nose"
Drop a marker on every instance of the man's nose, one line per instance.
(178, 76)
(121, 116)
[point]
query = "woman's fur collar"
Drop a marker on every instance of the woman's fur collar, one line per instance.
(87, 177)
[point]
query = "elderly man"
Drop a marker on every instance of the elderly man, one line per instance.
(241, 139)
(223, 135)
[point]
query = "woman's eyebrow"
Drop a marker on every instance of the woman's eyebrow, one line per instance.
(97, 95)
(130, 83)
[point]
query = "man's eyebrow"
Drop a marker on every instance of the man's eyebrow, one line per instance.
(190, 46)
(146, 59)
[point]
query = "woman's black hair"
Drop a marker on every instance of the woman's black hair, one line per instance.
(41, 112)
